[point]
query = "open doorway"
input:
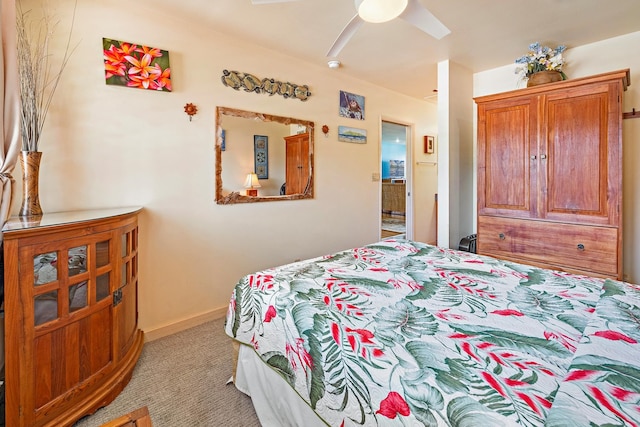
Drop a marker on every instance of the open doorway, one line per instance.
(395, 170)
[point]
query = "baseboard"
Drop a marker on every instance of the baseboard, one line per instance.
(172, 328)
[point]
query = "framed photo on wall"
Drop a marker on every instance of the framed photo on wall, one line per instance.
(261, 156)
(351, 105)
(349, 134)
(429, 144)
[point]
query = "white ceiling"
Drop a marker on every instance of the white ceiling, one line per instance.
(484, 33)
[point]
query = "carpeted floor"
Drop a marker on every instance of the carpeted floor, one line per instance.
(394, 224)
(182, 380)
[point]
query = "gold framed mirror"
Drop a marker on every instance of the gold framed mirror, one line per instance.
(266, 157)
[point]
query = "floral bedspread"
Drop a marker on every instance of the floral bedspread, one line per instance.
(403, 333)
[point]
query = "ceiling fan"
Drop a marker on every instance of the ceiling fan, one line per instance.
(377, 11)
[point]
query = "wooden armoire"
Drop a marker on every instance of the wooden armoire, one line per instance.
(297, 164)
(550, 175)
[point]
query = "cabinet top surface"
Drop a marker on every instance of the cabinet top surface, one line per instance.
(620, 75)
(62, 218)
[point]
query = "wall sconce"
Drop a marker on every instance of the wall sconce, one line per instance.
(191, 110)
(325, 130)
(252, 184)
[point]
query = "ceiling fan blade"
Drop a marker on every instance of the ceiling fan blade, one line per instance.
(419, 16)
(270, 1)
(347, 32)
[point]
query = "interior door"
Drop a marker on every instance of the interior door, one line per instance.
(395, 192)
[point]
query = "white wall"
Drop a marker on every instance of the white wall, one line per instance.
(456, 182)
(607, 55)
(106, 146)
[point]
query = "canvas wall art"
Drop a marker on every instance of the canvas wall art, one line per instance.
(349, 134)
(136, 65)
(351, 105)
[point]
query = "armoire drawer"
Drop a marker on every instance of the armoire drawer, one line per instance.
(586, 248)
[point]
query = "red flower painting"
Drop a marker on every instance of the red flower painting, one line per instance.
(133, 65)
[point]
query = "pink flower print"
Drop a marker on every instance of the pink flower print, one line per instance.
(615, 336)
(361, 342)
(563, 339)
(602, 398)
(466, 347)
(507, 312)
(366, 255)
(296, 352)
(545, 402)
(336, 333)
(580, 374)
(393, 405)
(263, 282)
(446, 316)
(493, 383)
(334, 284)
(529, 401)
(412, 284)
(622, 394)
(270, 314)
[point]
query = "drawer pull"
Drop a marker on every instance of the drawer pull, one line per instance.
(501, 236)
(543, 156)
(580, 247)
(534, 157)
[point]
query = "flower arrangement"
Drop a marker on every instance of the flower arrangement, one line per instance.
(132, 65)
(541, 58)
(37, 81)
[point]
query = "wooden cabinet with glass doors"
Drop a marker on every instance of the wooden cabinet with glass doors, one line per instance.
(71, 334)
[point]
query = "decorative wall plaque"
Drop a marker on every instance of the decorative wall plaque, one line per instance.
(251, 83)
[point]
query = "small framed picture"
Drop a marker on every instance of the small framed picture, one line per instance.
(349, 134)
(261, 156)
(429, 144)
(351, 105)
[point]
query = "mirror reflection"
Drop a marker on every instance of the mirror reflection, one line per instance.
(266, 157)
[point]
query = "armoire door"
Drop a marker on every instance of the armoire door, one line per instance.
(507, 158)
(582, 145)
(297, 163)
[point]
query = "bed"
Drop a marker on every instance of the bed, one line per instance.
(404, 333)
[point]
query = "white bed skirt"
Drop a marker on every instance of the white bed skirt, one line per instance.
(275, 402)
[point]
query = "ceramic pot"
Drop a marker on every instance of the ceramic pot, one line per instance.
(543, 77)
(30, 162)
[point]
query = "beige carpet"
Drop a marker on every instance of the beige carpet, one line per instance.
(394, 224)
(181, 379)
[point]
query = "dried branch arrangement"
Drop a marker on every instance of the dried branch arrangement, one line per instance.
(37, 81)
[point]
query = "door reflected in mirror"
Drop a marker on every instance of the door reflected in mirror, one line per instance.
(279, 150)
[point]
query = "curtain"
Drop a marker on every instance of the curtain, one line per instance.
(9, 105)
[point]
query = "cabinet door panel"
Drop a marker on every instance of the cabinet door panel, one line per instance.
(579, 156)
(297, 163)
(506, 172)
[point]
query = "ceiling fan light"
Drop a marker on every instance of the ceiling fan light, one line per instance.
(377, 11)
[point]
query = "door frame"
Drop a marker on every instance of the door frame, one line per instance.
(410, 135)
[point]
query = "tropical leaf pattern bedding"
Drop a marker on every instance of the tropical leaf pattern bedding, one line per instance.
(400, 333)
